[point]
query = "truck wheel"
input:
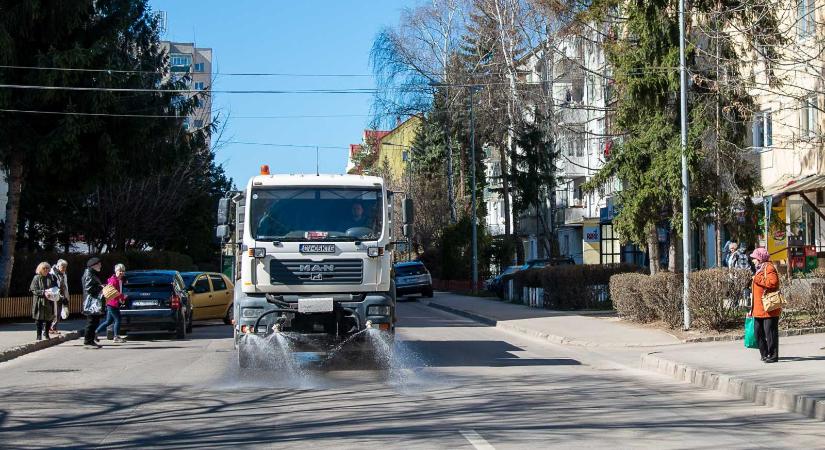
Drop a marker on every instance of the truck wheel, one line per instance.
(230, 314)
(180, 327)
(244, 356)
(428, 292)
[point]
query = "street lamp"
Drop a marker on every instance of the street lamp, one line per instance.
(686, 265)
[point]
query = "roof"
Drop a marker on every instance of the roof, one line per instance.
(788, 185)
(322, 180)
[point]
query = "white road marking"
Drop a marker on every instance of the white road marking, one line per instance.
(476, 440)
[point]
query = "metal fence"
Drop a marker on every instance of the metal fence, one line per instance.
(21, 307)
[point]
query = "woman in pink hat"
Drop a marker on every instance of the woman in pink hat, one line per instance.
(765, 280)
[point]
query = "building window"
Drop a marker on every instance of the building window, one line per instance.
(805, 18)
(762, 129)
(610, 244)
(199, 67)
(180, 61)
(199, 85)
(405, 155)
(808, 117)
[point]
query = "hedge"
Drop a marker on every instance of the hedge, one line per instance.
(25, 263)
(570, 287)
(627, 298)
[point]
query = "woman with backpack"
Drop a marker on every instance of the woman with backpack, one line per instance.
(765, 281)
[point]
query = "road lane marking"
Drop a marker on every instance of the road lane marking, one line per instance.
(476, 440)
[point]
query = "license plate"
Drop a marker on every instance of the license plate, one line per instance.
(317, 248)
(145, 303)
(314, 305)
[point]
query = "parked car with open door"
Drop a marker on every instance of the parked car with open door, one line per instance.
(211, 295)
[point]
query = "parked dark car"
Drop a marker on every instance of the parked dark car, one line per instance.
(494, 283)
(157, 300)
(532, 264)
(413, 278)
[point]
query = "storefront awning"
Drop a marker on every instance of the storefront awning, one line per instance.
(787, 185)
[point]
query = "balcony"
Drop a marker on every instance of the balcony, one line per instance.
(574, 215)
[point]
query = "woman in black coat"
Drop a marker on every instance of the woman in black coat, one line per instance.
(42, 307)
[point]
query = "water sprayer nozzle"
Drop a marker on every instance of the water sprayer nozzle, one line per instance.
(369, 324)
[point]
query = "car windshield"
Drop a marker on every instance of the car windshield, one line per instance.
(147, 279)
(316, 214)
(416, 269)
(188, 278)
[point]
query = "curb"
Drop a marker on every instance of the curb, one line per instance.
(752, 391)
(739, 337)
(20, 350)
(562, 340)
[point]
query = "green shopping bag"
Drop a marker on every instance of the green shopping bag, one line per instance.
(750, 333)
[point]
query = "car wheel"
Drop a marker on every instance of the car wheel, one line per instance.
(230, 314)
(180, 327)
(428, 292)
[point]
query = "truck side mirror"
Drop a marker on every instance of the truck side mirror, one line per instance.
(222, 232)
(223, 211)
(407, 211)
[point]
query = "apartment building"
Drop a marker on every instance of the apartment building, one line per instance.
(195, 63)
(787, 135)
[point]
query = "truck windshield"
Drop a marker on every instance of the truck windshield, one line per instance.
(316, 214)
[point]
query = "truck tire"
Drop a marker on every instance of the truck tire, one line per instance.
(244, 357)
(180, 327)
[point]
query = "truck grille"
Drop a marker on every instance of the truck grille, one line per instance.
(300, 271)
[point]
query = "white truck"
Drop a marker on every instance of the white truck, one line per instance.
(315, 255)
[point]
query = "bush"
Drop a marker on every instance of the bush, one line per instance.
(806, 297)
(663, 294)
(715, 295)
(25, 263)
(626, 295)
(571, 287)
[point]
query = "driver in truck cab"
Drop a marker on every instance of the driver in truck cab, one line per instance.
(359, 220)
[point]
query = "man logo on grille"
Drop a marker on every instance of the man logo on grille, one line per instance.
(316, 268)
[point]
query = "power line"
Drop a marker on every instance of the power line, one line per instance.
(268, 144)
(234, 74)
(190, 91)
(161, 116)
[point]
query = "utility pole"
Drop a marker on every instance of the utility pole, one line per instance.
(686, 263)
(409, 195)
(473, 189)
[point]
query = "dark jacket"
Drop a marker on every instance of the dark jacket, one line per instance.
(92, 284)
(42, 308)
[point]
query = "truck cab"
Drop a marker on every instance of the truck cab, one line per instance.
(315, 255)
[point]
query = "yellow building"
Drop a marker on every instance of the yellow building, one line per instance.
(395, 149)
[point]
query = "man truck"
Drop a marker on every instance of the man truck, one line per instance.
(315, 260)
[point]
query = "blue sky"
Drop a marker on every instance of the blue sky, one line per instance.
(307, 37)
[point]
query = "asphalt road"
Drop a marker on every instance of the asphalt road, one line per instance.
(453, 384)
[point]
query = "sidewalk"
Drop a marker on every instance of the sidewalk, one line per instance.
(18, 338)
(593, 329)
(795, 384)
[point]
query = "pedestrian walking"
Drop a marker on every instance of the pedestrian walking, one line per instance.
(92, 288)
(726, 253)
(113, 304)
(42, 308)
(765, 280)
(58, 272)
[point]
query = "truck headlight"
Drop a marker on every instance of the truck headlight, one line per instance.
(251, 313)
(257, 252)
(374, 252)
(378, 310)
